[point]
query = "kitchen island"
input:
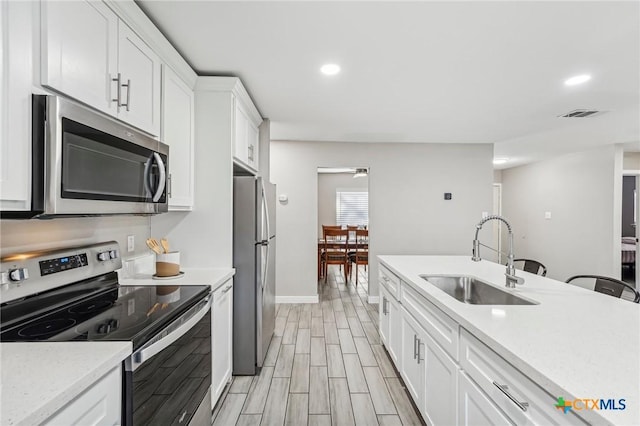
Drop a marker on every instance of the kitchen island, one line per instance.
(573, 343)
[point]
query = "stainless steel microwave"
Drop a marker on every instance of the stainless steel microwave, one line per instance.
(85, 163)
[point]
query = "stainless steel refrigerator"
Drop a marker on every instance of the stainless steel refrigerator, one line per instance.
(254, 250)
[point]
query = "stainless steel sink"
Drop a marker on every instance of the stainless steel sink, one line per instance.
(471, 290)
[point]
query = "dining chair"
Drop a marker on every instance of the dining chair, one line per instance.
(359, 256)
(611, 286)
(332, 255)
(532, 266)
(322, 268)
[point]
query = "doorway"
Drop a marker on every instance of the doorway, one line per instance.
(629, 233)
(343, 200)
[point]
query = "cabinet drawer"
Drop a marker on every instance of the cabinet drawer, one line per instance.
(390, 281)
(489, 370)
(442, 329)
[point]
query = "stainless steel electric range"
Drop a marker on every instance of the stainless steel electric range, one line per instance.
(73, 294)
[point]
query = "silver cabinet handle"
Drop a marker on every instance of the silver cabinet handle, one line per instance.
(415, 343)
(250, 154)
(226, 289)
(384, 305)
(169, 183)
(505, 390)
(385, 279)
(420, 343)
(117, 98)
(128, 86)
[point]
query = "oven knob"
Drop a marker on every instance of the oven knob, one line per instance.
(103, 256)
(113, 254)
(113, 324)
(19, 274)
(103, 328)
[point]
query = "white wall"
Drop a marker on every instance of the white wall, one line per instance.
(328, 183)
(583, 193)
(26, 235)
(204, 236)
(407, 210)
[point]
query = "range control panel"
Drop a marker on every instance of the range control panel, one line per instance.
(51, 266)
(23, 274)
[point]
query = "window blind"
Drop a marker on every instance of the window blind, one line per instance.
(352, 207)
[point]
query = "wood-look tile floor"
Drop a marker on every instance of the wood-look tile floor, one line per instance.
(325, 366)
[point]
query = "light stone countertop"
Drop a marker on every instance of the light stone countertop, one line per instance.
(213, 277)
(39, 378)
(575, 343)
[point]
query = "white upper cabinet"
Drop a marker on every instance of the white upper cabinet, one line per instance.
(178, 133)
(92, 56)
(139, 71)
(16, 62)
(80, 51)
(246, 134)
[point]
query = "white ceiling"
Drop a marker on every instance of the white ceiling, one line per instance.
(450, 72)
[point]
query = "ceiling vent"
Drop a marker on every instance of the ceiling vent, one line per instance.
(579, 113)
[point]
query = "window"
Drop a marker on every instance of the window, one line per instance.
(352, 207)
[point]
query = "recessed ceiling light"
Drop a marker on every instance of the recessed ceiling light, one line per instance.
(500, 160)
(330, 69)
(577, 79)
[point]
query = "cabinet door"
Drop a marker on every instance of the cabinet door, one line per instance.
(240, 141)
(395, 330)
(441, 380)
(474, 407)
(412, 367)
(100, 404)
(383, 325)
(253, 136)
(177, 132)
(221, 339)
(79, 51)
(139, 68)
(16, 45)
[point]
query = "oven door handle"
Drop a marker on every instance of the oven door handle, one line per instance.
(142, 355)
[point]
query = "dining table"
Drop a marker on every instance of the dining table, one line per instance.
(350, 245)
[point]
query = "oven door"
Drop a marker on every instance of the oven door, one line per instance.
(96, 165)
(168, 380)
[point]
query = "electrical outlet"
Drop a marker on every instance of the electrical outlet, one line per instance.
(485, 215)
(547, 215)
(131, 243)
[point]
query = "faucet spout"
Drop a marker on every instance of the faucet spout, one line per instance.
(510, 273)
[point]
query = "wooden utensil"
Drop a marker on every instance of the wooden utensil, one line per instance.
(165, 245)
(152, 243)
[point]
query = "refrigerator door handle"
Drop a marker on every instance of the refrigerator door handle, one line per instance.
(265, 207)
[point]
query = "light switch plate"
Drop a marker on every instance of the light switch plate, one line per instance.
(131, 243)
(547, 215)
(485, 215)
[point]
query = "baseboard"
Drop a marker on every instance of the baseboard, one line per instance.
(373, 299)
(297, 299)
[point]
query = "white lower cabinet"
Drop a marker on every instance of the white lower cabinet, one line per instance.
(413, 368)
(221, 339)
(429, 373)
(390, 324)
(474, 407)
(441, 384)
(99, 405)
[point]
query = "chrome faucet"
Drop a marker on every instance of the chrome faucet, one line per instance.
(512, 279)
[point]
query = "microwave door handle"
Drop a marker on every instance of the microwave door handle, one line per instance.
(163, 174)
(147, 177)
(144, 354)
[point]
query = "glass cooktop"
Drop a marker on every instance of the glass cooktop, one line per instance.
(95, 310)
